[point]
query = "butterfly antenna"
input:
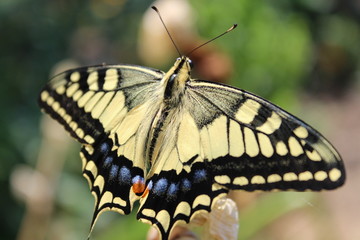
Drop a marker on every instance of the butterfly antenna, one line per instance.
(229, 30)
(157, 11)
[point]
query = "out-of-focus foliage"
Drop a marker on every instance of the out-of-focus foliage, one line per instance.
(279, 48)
(267, 40)
(283, 46)
(36, 35)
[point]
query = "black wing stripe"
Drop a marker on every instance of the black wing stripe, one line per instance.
(84, 120)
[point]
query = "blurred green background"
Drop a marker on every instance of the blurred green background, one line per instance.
(303, 54)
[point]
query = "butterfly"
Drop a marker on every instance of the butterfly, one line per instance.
(178, 144)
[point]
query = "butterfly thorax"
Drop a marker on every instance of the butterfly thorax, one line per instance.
(165, 110)
(174, 81)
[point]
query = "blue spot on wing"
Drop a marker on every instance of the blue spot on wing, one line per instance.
(160, 186)
(199, 175)
(104, 147)
(108, 161)
(125, 175)
(185, 185)
(172, 191)
(113, 172)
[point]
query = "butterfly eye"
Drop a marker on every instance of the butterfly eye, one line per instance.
(178, 59)
(191, 64)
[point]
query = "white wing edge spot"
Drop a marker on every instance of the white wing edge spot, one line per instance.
(305, 176)
(44, 95)
(223, 179)
(290, 176)
(301, 132)
(274, 178)
(241, 181)
(56, 106)
(80, 133)
(50, 100)
(61, 112)
(60, 90)
(320, 175)
(89, 149)
(89, 139)
(75, 76)
(257, 179)
(334, 174)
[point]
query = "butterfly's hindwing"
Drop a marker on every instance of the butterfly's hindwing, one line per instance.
(111, 178)
(177, 198)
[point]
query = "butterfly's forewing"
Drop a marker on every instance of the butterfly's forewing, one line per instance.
(261, 146)
(91, 103)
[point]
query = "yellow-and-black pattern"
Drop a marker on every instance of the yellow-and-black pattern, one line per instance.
(178, 144)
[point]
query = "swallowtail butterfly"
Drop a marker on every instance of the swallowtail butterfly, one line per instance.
(178, 144)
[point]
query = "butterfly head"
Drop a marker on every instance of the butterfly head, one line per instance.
(180, 72)
(181, 61)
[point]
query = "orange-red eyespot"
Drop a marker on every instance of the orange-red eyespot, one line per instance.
(138, 185)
